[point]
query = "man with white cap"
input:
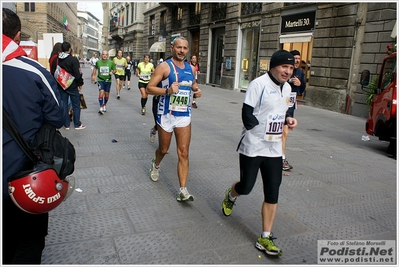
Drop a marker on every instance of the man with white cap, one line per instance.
(264, 116)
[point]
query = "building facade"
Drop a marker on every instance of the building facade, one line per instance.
(126, 23)
(89, 33)
(155, 19)
(42, 17)
(234, 42)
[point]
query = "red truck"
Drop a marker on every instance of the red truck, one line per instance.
(382, 120)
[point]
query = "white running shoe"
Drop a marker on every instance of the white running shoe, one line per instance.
(81, 127)
(152, 135)
(184, 195)
(154, 171)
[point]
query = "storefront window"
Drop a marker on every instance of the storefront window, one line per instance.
(249, 56)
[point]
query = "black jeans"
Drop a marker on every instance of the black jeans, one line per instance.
(23, 235)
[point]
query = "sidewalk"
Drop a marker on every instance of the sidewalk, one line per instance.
(340, 188)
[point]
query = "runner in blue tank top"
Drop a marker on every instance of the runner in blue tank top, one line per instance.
(178, 104)
(173, 81)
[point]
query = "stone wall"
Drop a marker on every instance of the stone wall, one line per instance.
(334, 43)
(381, 18)
(331, 57)
(230, 45)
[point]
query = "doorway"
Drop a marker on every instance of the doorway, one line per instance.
(305, 48)
(217, 55)
(195, 43)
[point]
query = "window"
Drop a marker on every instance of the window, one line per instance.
(132, 6)
(177, 14)
(388, 73)
(162, 24)
(194, 17)
(127, 15)
(29, 7)
(123, 17)
(197, 8)
(163, 17)
(249, 56)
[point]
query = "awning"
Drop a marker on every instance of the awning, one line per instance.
(158, 47)
(112, 52)
(304, 37)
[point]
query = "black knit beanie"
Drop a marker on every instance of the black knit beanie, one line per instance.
(281, 57)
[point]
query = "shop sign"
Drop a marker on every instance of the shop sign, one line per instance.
(298, 22)
(250, 24)
(174, 36)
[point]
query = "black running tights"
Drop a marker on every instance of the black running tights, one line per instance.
(271, 171)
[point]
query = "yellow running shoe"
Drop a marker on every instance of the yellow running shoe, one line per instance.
(227, 204)
(267, 245)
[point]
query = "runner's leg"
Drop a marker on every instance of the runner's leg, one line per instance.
(183, 137)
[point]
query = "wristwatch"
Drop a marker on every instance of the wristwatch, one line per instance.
(166, 91)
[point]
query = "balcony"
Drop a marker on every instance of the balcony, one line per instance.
(194, 19)
(218, 11)
(176, 24)
(291, 3)
(250, 8)
(118, 33)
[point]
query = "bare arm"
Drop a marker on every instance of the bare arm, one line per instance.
(195, 86)
(160, 73)
(93, 74)
(138, 71)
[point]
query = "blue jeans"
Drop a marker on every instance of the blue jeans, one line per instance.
(75, 99)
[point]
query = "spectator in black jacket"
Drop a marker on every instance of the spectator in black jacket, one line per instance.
(298, 85)
(72, 66)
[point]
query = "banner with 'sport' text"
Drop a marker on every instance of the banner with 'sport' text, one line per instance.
(356, 252)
